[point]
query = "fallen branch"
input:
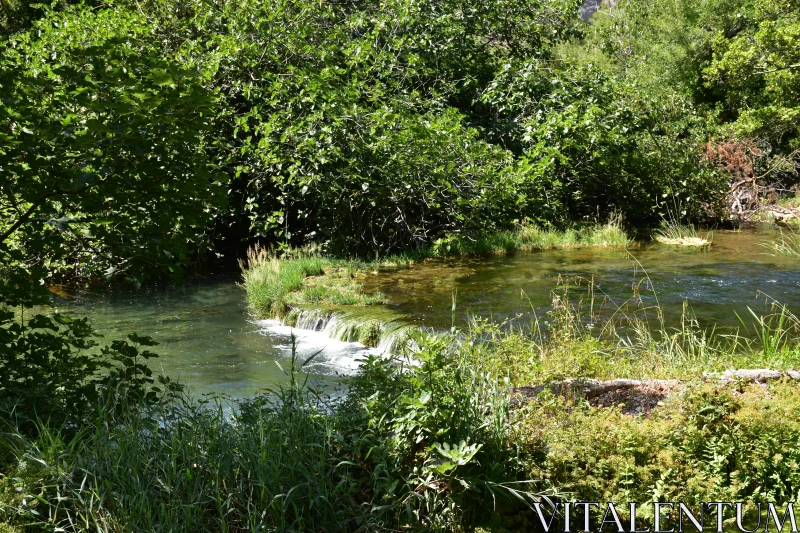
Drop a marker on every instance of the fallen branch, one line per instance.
(757, 375)
(591, 388)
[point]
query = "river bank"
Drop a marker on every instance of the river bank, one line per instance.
(446, 443)
(463, 429)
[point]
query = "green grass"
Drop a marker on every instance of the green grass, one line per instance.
(789, 244)
(674, 233)
(534, 238)
(586, 339)
(275, 285)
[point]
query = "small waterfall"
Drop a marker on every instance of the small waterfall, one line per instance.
(388, 334)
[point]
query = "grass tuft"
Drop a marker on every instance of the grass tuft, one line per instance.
(276, 284)
(674, 233)
(529, 237)
(789, 245)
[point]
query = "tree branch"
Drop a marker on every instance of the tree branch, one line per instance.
(32, 209)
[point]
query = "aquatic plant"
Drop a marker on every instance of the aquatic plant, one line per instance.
(610, 234)
(531, 237)
(788, 245)
(675, 233)
(276, 283)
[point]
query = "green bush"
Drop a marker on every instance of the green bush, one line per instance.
(423, 446)
(710, 443)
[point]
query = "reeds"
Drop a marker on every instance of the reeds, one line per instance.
(789, 244)
(408, 447)
(674, 233)
(274, 284)
(610, 234)
(530, 237)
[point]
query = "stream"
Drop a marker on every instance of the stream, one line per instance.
(208, 340)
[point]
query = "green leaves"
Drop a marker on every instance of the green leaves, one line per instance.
(757, 72)
(104, 144)
(457, 455)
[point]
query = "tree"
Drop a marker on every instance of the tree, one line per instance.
(104, 171)
(102, 148)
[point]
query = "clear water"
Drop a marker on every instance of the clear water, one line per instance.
(208, 340)
(734, 273)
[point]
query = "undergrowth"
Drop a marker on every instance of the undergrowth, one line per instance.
(435, 437)
(432, 439)
(425, 446)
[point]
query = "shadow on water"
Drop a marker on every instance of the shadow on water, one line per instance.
(207, 338)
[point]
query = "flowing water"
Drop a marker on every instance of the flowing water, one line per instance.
(208, 340)
(717, 282)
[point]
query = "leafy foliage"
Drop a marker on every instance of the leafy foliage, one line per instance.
(102, 147)
(50, 371)
(292, 461)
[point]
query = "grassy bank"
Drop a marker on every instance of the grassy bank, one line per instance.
(442, 445)
(446, 444)
(532, 238)
(276, 285)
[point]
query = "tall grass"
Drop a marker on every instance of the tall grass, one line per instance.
(422, 447)
(274, 284)
(303, 277)
(529, 237)
(675, 233)
(270, 280)
(788, 245)
(609, 234)
(189, 467)
(588, 334)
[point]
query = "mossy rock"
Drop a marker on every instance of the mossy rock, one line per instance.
(370, 334)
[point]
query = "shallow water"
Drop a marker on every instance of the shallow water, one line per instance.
(717, 282)
(208, 340)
